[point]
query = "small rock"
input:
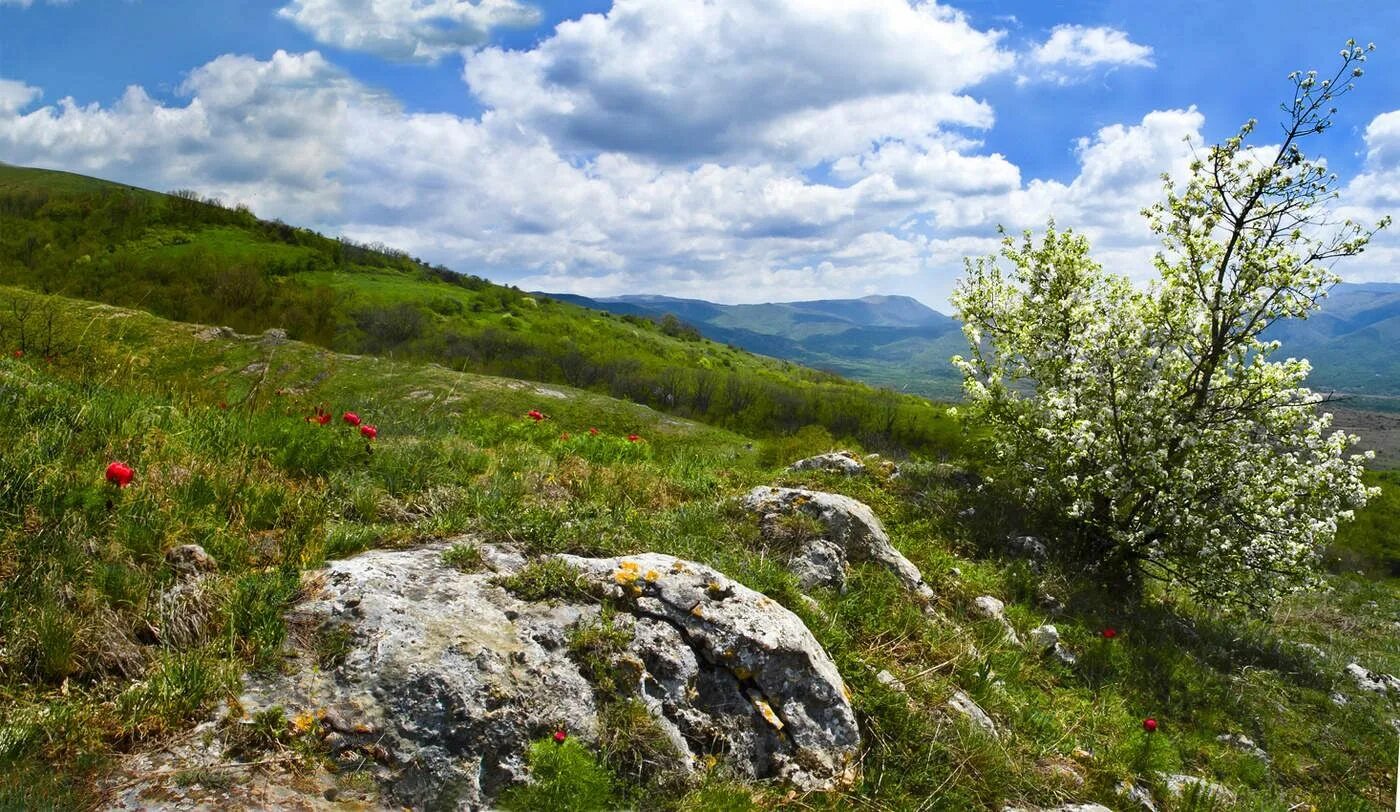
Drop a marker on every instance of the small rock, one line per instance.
(1338, 698)
(1373, 681)
(1027, 547)
(211, 333)
(850, 529)
(840, 462)
(1046, 639)
(419, 394)
(967, 513)
(993, 608)
(1178, 785)
(890, 681)
(190, 559)
(1309, 648)
(964, 705)
(273, 337)
(1061, 808)
(1062, 771)
(1138, 794)
(1244, 744)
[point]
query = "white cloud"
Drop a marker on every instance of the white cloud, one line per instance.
(685, 81)
(28, 3)
(1073, 51)
(16, 95)
(1375, 193)
(406, 30)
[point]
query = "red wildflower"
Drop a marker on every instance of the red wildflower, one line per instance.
(1110, 633)
(560, 736)
(535, 415)
(120, 474)
(1149, 724)
(592, 432)
(351, 418)
(18, 353)
(320, 418)
(632, 438)
(369, 432)
(223, 404)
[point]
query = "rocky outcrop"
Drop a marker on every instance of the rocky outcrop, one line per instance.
(850, 532)
(435, 680)
(1244, 744)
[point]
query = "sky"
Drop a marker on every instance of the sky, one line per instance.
(732, 150)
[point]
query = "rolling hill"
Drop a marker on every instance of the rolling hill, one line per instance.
(893, 341)
(195, 260)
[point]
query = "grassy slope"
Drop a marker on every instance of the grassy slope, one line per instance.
(83, 675)
(189, 261)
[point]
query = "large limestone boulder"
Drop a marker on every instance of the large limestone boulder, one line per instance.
(441, 678)
(850, 532)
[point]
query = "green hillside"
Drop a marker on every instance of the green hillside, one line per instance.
(215, 429)
(196, 261)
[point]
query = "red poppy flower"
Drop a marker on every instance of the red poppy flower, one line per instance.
(1149, 724)
(351, 418)
(535, 415)
(120, 474)
(321, 417)
(18, 353)
(592, 432)
(1110, 633)
(369, 432)
(632, 438)
(560, 736)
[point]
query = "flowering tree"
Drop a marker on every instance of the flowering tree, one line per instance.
(1154, 419)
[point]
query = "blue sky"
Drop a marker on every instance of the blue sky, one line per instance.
(738, 150)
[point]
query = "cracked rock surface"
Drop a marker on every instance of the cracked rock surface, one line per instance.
(445, 677)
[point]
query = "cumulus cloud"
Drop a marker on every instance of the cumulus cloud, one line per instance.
(1375, 193)
(684, 81)
(406, 30)
(1073, 51)
(16, 95)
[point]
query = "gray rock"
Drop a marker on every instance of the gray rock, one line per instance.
(1138, 795)
(211, 333)
(797, 723)
(1244, 744)
(190, 559)
(890, 681)
(1338, 698)
(840, 462)
(273, 337)
(964, 705)
(1046, 639)
(992, 608)
(849, 525)
(1372, 681)
(1308, 648)
(1179, 785)
(446, 677)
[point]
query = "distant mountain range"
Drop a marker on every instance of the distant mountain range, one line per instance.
(893, 341)
(897, 341)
